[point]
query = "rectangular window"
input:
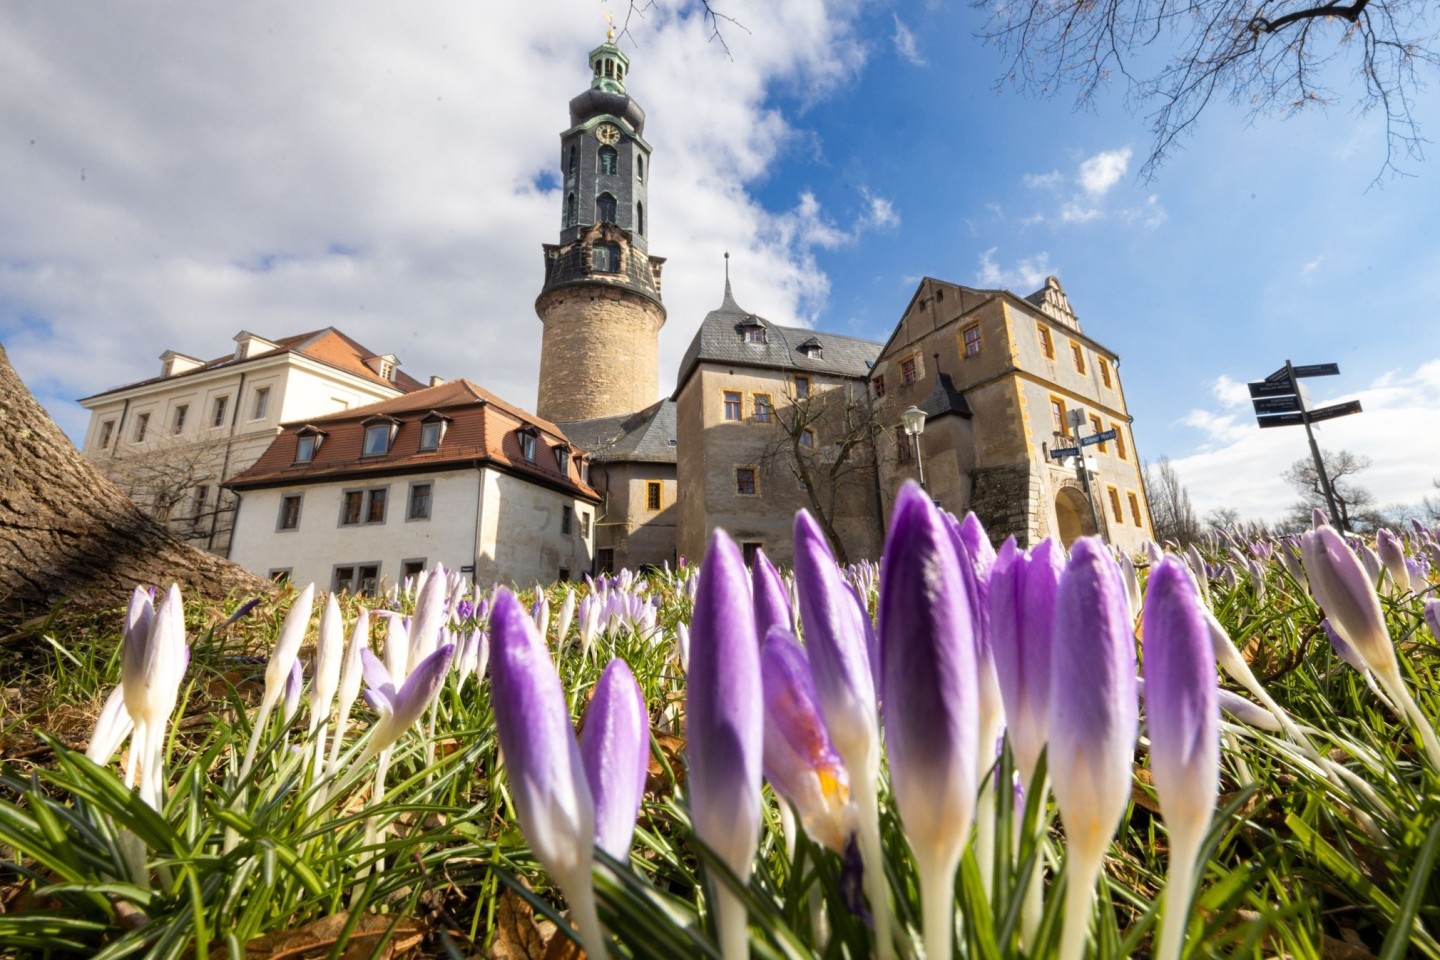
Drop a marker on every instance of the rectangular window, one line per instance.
(527, 446)
(745, 482)
(1115, 504)
(289, 512)
(652, 494)
(562, 459)
(280, 575)
(802, 388)
(605, 560)
(1057, 415)
(755, 334)
(1134, 507)
(142, 425)
(902, 444)
(1047, 345)
(107, 430)
(352, 502)
(1078, 352)
(762, 408)
(879, 384)
(807, 438)
(376, 511)
(1104, 366)
(750, 550)
(430, 435)
(732, 405)
(1097, 427)
(1119, 441)
(411, 568)
(355, 578)
(567, 519)
(305, 448)
(217, 411)
(377, 440)
(971, 335)
(585, 524)
(261, 405)
(197, 504)
(419, 508)
(908, 371)
(178, 425)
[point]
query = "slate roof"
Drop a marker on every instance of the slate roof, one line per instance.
(482, 428)
(720, 340)
(944, 398)
(647, 436)
(328, 346)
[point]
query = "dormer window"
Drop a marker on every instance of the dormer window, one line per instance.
(379, 433)
(527, 442)
(752, 330)
(432, 431)
(562, 459)
(813, 349)
(307, 441)
(384, 367)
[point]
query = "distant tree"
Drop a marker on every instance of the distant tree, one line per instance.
(1170, 509)
(1222, 518)
(826, 441)
(1274, 55)
(177, 484)
(1431, 505)
(1354, 503)
(68, 534)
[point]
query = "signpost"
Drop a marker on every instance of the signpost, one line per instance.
(1075, 416)
(1281, 401)
(1064, 452)
(1095, 438)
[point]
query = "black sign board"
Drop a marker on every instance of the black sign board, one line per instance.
(1282, 420)
(1270, 388)
(1276, 404)
(1318, 370)
(1279, 376)
(1064, 452)
(1338, 410)
(1095, 438)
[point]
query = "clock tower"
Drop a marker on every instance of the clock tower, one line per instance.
(600, 305)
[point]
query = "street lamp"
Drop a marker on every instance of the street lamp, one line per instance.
(914, 420)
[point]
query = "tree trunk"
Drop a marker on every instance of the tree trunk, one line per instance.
(68, 534)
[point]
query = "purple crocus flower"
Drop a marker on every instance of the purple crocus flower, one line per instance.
(1342, 649)
(800, 761)
(930, 663)
(772, 603)
(290, 700)
(615, 748)
(1432, 617)
(724, 726)
(1392, 557)
(1093, 721)
(1022, 611)
(1345, 591)
(400, 708)
(1183, 720)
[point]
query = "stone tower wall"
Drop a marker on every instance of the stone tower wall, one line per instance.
(598, 356)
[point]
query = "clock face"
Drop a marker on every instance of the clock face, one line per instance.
(608, 133)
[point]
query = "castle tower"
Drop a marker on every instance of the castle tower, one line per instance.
(600, 305)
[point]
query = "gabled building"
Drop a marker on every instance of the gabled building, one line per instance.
(1006, 382)
(169, 441)
(449, 474)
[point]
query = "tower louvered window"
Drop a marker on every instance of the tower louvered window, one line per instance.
(605, 208)
(609, 160)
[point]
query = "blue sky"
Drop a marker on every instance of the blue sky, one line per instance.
(176, 172)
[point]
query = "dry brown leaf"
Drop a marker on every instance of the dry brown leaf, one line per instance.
(314, 940)
(1348, 947)
(519, 936)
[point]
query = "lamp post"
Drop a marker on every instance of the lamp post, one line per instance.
(914, 420)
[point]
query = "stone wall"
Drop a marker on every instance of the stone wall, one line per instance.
(599, 356)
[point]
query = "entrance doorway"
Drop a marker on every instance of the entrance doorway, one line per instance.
(1072, 516)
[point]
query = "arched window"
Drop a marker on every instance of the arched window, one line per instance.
(605, 208)
(570, 210)
(570, 165)
(609, 68)
(608, 160)
(605, 258)
(640, 219)
(639, 168)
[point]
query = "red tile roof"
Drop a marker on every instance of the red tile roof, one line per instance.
(482, 428)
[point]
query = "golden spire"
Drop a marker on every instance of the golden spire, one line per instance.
(610, 32)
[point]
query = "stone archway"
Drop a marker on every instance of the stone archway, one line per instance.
(1073, 519)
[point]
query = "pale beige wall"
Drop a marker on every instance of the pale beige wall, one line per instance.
(599, 353)
(520, 536)
(637, 534)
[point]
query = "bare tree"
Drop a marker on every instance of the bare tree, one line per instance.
(1354, 503)
(67, 533)
(1431, 505)
(178, 485)
(826, 441)
(1170, 509)
(1274, 55)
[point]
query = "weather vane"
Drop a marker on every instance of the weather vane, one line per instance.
(610, 33)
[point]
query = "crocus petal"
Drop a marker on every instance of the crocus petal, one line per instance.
(1181, 712)
(111, 727)
(615, 747)
(329, 656)
(134, 652)
(1342, 649)
(1392, 556)
(1093, 707)
(378, 682)
(1432, 617)
(542, 758)
(291, 696)
(1344, 590)
(800, 761)
(724, 722)
(772, 603)
(1247, 711)
(429, 617)
(1023, 587)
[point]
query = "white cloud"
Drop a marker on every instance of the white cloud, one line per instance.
(1239, 465)
(1102, 171)
(1027, 275)
(173, 175)
(1310, 266)
(1043, 181)
(905, 43)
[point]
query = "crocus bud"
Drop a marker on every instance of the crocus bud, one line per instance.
(565, 618)
(799, 760)
(615, 749)
(430, 616)
(400, 708)
(1023, 587)
(1248, 712)
(329, 656)
(1370, 560)
(772, 602)
(1342, 649)
(290, 698)
(1432, 617)
(1392, 557)
(1346, 593)
(930, 661)
(111, 727)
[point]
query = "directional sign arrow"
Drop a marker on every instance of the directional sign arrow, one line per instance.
(1095, 438)
(1270, 388)
(1282, 420)
(1276, 404)
(1065, 452)
(1279, 376)
(1318, 370)
(1338, 410)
